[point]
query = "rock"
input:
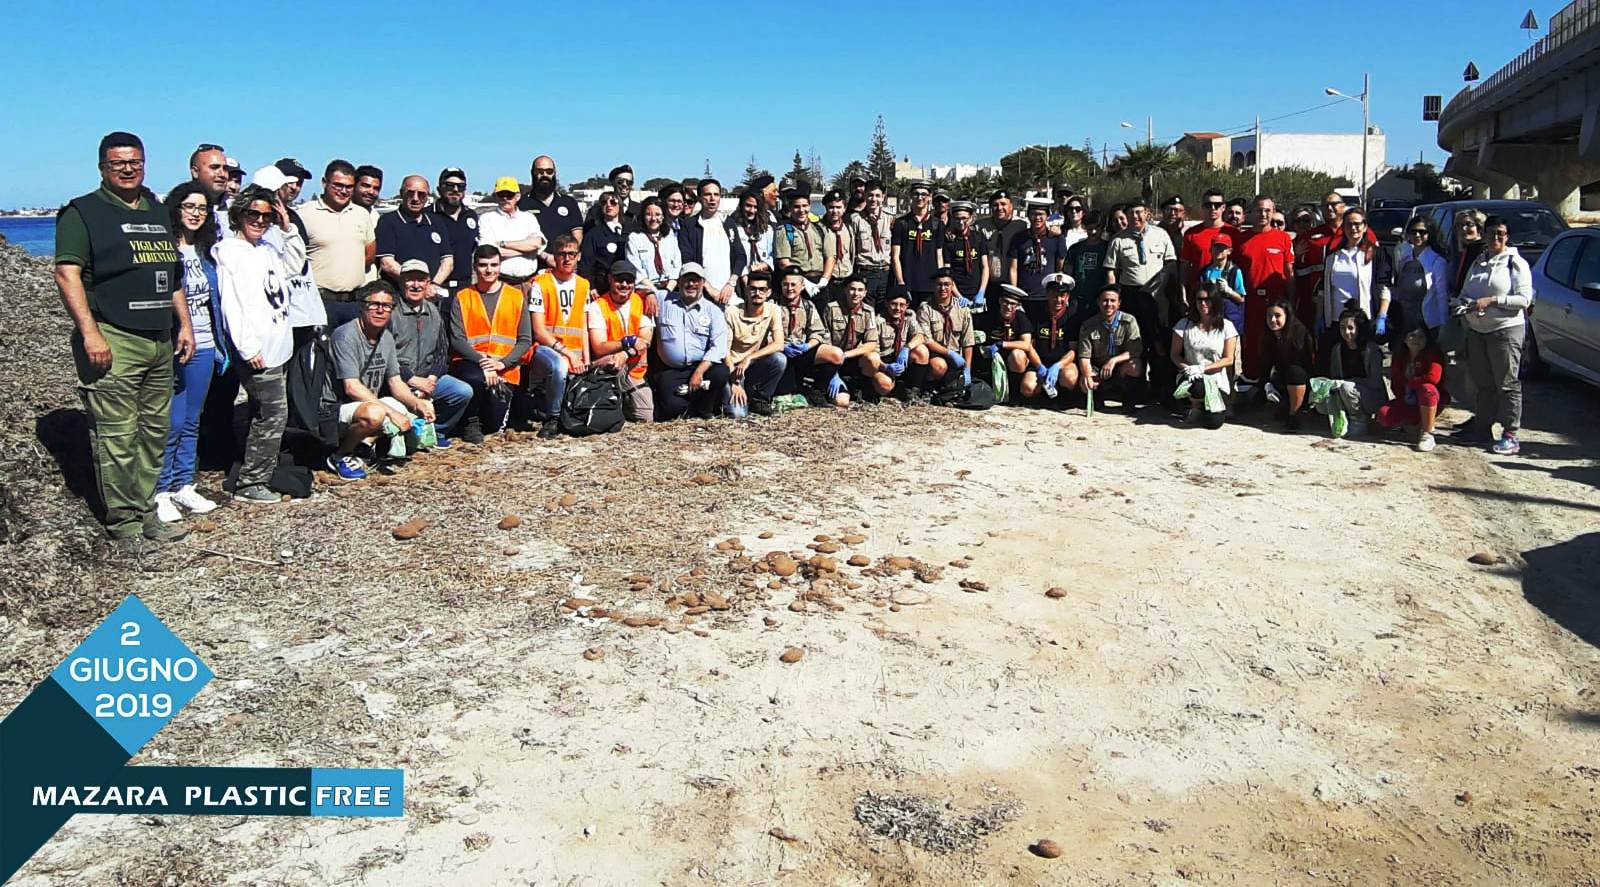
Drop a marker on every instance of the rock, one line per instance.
(1055, 591)
(674, 628)
(859, 560)
(973, 585)
(510, 522)
(638, 621)
(573, 603)
(785, 566)
(411, 529)
(782, 835)
(696, 611)
(824, 564)
(1045, 849)
(203, 525)
(827, 547)
(765, 534)
(769, 622)
(822, 537)
(714, 601)
(510, 550)
(791, 655)
(910, 597)
(797, 606)
(928, 574)
(593, 653)
(894, 608)
(568, 500)
(852, 539)
(469, 819)
(1463, 798)
(1485, 559)
(706, 480)
(897, 562)
(774, 584)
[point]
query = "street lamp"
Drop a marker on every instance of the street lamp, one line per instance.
(1149, 129)
(1366, 125)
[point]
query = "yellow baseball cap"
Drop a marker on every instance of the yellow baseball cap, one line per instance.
(507, 183)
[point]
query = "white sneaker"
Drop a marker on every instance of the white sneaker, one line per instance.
(191, 499)
(1272, 394)
(167, 512)
(1425, 443)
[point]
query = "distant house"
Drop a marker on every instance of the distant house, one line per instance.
(1337, 154)
(1211, 148)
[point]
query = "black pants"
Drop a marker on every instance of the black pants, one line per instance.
(877, 281)
(1126, 390)
(798, 372)
(699, 403)
(487, 405)
(339, 308)
(1145, 308)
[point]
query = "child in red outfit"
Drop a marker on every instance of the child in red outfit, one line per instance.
(1416, 373)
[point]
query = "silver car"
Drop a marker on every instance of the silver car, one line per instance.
(1565, 325)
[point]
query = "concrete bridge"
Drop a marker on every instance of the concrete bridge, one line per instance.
(1536, 121)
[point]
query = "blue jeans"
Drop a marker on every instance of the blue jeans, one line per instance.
(760, 381)
(548, 371)
(450, 399)
(190, 382)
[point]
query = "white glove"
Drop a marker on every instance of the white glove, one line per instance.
(1194, 371)
(823, 283)
(811, 288)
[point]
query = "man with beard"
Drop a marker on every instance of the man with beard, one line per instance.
(1001, 227)
(369, 187)
(967, 251)
(556, 211)
(873, 231)
(856, 200)
(902, 348)
(948, 327)
(460, 220)
(208, 168)
(915, 254)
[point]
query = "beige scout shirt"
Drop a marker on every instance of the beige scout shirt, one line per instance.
(840, 246)
(337, 244)
(803, 324)
(957, 333)
(892, 337)
(872, 240)
(1134, 267)
(849, 331)
(805, 248)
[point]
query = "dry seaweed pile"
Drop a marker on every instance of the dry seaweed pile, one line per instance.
(51, 548)
(930, 823)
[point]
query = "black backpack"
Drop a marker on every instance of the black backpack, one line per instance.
(979, 395)
(593, 404)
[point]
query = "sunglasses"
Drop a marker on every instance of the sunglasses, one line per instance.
(1419, 232)
(544, 172)
(566, 254)
(505, 195)
(207, 146)
(1276, 223)
(453, 186)
(1215, 204)
(258, 217)
(625, 182)
(1074, 209)
(414, 193)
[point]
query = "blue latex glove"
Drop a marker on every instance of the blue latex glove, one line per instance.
(963, 301)
(1383, 324)
(1052, 376)
(991, 349)
(630, 342)
(835, 386)
(1039, 371)
(795, 349)
(977, 301)
(956, 360)
(903, 355)
(895, 369)
(966, 374)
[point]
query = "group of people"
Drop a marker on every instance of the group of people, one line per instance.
(374, 333)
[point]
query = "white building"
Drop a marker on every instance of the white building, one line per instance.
(958, 171)
(1336, 154)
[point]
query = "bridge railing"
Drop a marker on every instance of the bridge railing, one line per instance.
(1574, 20)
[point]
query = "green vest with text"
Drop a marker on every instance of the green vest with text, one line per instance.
(134, 262)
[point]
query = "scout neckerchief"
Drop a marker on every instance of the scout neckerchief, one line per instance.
(916, 229)
(966, 246)
(793, 311)
(838, 242)
(1111, 337)
(655, 243)
(850, 329)
(1055, 321)
(1037, 262)
(900, 332)
(949, 323)
(877, 236)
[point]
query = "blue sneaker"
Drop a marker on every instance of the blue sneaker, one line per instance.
(442, 443)
(347, 467)
(1507, 445)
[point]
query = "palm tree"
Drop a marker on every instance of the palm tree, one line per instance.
(1147, 163)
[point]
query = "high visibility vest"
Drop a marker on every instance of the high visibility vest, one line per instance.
(565, 322)
(616, 329)
(493, 339)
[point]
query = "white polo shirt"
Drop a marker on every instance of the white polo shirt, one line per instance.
(499, 228)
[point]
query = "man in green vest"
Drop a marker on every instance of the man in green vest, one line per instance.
(120, 278)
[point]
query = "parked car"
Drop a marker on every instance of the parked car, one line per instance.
(1531, 224)
(1388, 224)
(1564, 328)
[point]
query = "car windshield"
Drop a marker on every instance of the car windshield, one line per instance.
(1382, 221)
(1532, 227)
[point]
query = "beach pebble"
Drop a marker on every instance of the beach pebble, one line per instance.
(1045, 848)
(510, 522)
(791, 655)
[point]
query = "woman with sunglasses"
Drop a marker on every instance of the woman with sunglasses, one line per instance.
(1421, 278)
(1356, 274)
(1203, 347)
(253, 277)
(195, 230)
(1493, 305)
(1469, 244)
(605, 240)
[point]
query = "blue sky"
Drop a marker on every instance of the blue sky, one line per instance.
(414, 87)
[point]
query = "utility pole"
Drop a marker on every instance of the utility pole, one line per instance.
(1260, 154)
(1149, 130)
(1366, 132)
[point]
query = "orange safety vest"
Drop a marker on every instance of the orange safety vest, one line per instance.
(616, 329)
(570, 330)
(498, 338)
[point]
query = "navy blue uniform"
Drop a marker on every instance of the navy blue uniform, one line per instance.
(1036, 257)
(965, 252)
(919, 244)
(427, 238)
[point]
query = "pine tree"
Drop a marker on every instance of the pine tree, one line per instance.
(752, 172)
(707, 173)
(880, 157)
(814, 172)
(798, 176)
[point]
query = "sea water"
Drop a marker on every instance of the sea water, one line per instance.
(36, 234)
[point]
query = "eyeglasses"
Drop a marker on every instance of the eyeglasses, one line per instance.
(453, 186)
(198, 209)
(1332, 205)
(626, 183)
(379, 306)
(1500, 234)
(259, 217)
(207, 146)
(920, 193)
(1074, 209)
(341, 186)
(505, 195)
(621, 282)
(1355, 223)
(123, 165)
(414, 193)
(566, 254)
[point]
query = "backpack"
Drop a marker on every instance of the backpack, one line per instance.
(593, 404)
(976, 396)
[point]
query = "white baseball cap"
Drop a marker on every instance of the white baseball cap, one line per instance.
(271, 178)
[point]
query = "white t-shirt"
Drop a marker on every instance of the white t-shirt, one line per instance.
(1205, 346)
(716, 252)
(566, 293)
(498, 228)
(1346, 268)
(597, 319)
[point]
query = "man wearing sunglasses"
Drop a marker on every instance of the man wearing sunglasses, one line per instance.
(915, 252)
(460, 220)
(414, 232)
(621, 179)
(516, 232)
(1196, 252)
(557, 212)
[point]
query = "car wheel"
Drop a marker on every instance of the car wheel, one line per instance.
(1533, 364)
